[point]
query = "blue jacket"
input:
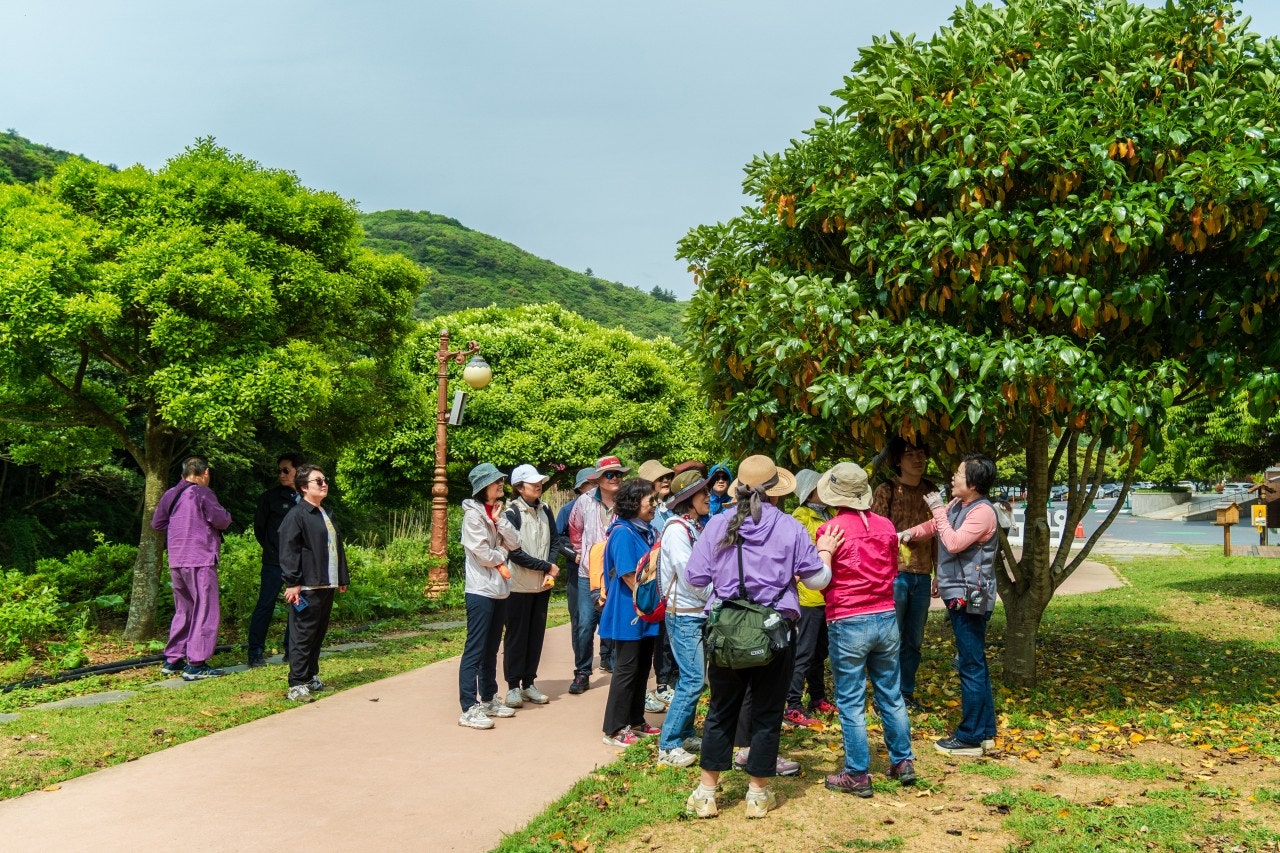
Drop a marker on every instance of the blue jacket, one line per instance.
(717, 502)
(628, 541)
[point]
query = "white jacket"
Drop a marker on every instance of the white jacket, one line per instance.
(486, 546)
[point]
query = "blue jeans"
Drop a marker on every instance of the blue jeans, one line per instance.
(478, 668)
(911, 602)
(584, 639)
(268, 592)
(977, 707)
(684, 633)
(864, 646)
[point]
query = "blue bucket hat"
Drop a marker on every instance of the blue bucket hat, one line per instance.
(482, 475)
(585, 476)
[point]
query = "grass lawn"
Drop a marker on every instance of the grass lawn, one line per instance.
(1155, 726)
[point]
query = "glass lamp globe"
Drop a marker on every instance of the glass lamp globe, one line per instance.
(477, 372)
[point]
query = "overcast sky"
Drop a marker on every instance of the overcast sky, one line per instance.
(593, 134)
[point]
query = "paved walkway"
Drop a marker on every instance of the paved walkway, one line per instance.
(382, 766)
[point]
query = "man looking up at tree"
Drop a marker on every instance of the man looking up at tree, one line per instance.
(273, 506)
(193, 521)
(591, 516)
(313, 564)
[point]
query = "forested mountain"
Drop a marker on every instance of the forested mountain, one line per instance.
(23, 161)
(474, 270)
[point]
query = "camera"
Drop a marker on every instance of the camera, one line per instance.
(976, 600)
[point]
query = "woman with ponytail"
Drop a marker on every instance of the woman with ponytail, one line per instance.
(775, 550)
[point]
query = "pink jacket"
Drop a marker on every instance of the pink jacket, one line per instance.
(864, 567)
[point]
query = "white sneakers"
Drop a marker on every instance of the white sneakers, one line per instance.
(534, 695)
(475, 717)
(760, 803)
(653, 703)
(514, 698)
(299, 693)
(678, 757)
(494, 708)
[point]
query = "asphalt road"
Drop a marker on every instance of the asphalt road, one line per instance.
(1128, 528)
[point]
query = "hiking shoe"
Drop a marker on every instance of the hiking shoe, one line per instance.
(581, 683)
(494, 708)
(783, 767)
(909, 700)
(823, 707)
(315, 685)
(622, 739)
(255, 661)
(201, 672)
(475, 718)
(952, 746)
(173, 667)
(904, 771)
(692, 744)
(534, 695)
(760, 803)
(850, 783)
(796, 717)
(646, 730)
(299, 693)
(653, 704)
(515, 698)
(677, 757)
(699, 805)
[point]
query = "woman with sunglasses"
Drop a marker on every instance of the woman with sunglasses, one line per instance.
(313, 565)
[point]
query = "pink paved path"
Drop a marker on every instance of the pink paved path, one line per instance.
(344, 773)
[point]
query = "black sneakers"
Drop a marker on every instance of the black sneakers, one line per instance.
(580, 684)
(952, 746)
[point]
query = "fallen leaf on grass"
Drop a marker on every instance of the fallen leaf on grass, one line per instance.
(51, 788)
(581, 846)
(207, 713)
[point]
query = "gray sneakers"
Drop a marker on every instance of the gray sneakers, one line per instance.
(475, 718)
(299, 693)
(677, 757)
(760, 803)
(494, 708)
(534, 695)
(514, 698)
(653, 703)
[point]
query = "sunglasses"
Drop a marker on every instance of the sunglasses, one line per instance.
(286, 470)
(611, 475)
(319, 481)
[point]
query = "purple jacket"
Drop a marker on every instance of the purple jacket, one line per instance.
(194, 521)
(774, 552)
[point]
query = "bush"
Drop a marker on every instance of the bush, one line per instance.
(103, 574)
(239, 576)
(387, 581)
(29, 611)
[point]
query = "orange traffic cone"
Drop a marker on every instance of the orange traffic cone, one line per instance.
(1080, 529)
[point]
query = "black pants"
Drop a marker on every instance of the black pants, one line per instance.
(665, 670)
(268, 593)
(811, 657)
(526, 627)
(306, 632)
(625, 705)
(768, 687)
(478, 668)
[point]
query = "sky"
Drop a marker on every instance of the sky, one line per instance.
(592, 134)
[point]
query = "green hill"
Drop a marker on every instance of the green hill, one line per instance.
(474, 270)
(25, 162)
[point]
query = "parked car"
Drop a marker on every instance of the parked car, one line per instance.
(1109, 490)
(1058, 493)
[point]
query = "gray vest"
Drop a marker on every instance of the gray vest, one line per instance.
(958, 573)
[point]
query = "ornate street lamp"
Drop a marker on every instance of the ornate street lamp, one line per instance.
(477, 375)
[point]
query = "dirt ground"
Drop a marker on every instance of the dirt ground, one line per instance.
(946, 810)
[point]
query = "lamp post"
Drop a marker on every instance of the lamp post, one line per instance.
(477, 375)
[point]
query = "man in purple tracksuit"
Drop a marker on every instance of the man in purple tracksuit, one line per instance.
(193, 521)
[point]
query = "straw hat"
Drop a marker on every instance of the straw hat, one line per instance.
(845, 485)
(757, 470)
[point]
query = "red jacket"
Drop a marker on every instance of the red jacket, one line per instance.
(864, 567)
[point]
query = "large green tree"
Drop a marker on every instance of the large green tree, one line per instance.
(1051, 219)
(565, 391)
(204, 298)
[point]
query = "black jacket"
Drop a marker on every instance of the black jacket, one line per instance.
(304, 549)
(273, 506)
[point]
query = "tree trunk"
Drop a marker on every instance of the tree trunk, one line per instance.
(1022, 620)
(146, 570)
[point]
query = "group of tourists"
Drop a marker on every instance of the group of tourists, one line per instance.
(847, 578)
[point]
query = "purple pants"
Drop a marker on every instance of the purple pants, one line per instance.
(193, 633)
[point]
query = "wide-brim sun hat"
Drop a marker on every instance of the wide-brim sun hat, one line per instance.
(585, 475)
(482, 475)
(653, 470)
(806, 481)
(527, 474)
(757, 470)
(685, 486)
(611, 463)
(846, 485)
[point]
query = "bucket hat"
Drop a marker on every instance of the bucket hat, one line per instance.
(652, 470)
(482, 475)
(806, 481)
(757, 470)
(586, 475)
(611, 463)
(846, 485)
(685, 486)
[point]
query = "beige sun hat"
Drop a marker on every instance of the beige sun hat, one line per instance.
(846, 484)
(757, 470)
(652, 470)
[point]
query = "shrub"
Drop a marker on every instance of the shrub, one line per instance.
(387, 581)
(98, 576)
(239, 576)
(29, 611)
